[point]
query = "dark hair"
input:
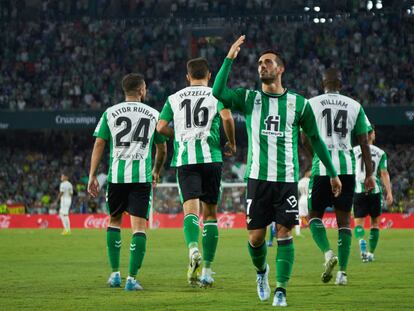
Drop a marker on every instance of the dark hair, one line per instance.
(198, 68)
(279, 58)
(131, 82)
(372, 128)
(332, 79)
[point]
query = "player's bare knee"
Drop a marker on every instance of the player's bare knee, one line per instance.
(115, 221)
(256, 238)
(191, 206)
(209, 211)
(283, 232)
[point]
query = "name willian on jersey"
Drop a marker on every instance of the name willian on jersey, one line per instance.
(143, 110)
(334, 102)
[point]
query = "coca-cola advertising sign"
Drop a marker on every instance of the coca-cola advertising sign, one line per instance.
(96, 222)
(224, 221)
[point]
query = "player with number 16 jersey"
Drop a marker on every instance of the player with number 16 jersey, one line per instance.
(197, 157)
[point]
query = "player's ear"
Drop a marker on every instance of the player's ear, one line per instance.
(209, 76)
(188, 77)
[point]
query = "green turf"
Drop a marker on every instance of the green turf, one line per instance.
(42, 270)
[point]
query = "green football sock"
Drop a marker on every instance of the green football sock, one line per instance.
(344, 247)
(373, 239)
(137, 252)
(113, 243)
(258, 255)
(210, 240)
(284, 261)
(191, 230)
(359, 232)
(319, 234)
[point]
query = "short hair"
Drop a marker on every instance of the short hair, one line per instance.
(372, 128)
(198, 68)
(279, 58)
(131, 82)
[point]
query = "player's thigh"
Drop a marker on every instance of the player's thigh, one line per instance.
(345, 200)
(320, 195)
(286, 205)
(259, 209)
(361, 209)
(375, 205)
(211, 182)
(139, 198)
(189, 182)
(117, 198)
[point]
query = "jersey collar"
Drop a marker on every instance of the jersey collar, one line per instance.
(275, 95)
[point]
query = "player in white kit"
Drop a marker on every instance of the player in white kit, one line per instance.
(65, 197)
(303, 187)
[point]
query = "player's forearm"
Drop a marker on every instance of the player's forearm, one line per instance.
(160, 156)
(385, 178)
(220, 89)
(320, 149)
(366, 154)
(97, 152)
(229, 130)
(164, 129)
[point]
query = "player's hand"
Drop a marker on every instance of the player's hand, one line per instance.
(235, 48)
(229, 149)
(93, 186)
(336, 186)
(389, 199)
(369, 183)
(155, 178)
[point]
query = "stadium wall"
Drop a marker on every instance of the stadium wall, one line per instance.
(28, 120)
(225, 221)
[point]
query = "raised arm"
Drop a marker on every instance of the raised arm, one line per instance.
(227, 96)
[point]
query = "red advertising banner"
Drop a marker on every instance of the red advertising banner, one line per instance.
(96, 221)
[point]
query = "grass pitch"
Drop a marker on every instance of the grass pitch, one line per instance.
(42, 270)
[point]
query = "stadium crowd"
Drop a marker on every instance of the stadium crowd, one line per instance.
(78, 64)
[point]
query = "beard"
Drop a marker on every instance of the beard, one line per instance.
(268, 78)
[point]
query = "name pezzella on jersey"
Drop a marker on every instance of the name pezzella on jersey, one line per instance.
(195, 93)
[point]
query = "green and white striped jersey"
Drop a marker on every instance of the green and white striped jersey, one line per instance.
(272, 125)
(338, 118)
(195, 113)
(379, 163)
(130, 129)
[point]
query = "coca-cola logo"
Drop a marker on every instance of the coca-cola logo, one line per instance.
(96, 222)
(226, 221)
(4, 221)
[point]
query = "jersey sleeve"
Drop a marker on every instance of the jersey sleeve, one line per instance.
(231, 98)
(61, 188)
(220, 106)
(167, 113)
(362, 124)
(383, 162)
(102, 129)
(159, 138)
(308, 123)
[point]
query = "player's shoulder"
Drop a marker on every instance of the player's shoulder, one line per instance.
(293, 93)
(192, 91)
(377, 150)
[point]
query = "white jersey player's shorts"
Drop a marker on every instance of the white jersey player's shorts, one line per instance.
(65, 204)
(303, 206)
